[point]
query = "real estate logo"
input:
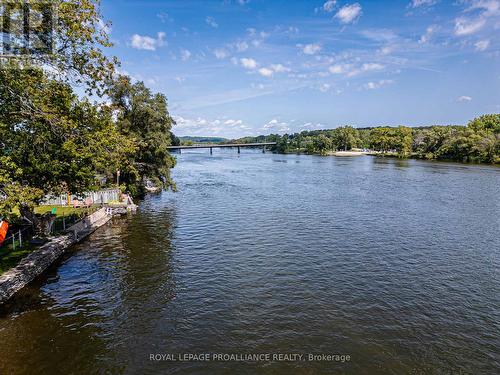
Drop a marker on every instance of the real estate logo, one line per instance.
(27, 28)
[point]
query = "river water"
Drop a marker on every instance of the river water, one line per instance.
(394, 263)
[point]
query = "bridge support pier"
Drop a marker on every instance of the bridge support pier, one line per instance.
(264, 149)
(239, 151)
(211, 152)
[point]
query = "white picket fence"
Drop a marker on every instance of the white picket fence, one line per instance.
(93, 197)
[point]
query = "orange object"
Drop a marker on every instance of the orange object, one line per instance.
(4, 226)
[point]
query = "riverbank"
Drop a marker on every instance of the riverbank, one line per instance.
(413, 155)
(346, 153)
(40, 259)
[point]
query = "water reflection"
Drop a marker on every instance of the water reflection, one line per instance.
(393, 262)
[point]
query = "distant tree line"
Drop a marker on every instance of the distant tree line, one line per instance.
(478, 142)
(189, 141)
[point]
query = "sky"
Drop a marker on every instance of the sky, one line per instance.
(233, 68)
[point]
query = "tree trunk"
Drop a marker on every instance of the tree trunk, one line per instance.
(42, 224)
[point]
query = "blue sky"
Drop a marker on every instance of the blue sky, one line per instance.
(247, 67)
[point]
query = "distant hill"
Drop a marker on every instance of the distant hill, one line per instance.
(203, 139)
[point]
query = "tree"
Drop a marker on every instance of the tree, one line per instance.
(57, 145)
(322, 144)
(403, 140)
(49, 140)
(281, 143)
(144, 117)
(486, 122)
(345, 138)
(428, 143)
(398, 139)
(78, 34)
(381, 139)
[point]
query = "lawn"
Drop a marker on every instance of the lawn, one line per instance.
(10, 258)
(63, 210)
(60, 210)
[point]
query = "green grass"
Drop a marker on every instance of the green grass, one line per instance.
(60, 210)
(10, 258)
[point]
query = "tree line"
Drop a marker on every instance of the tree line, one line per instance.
(53, 141)
(478, 142)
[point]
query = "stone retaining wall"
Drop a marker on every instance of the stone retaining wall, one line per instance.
(39, 260)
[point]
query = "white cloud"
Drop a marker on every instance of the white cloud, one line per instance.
(232, 122)
(380, 35)
(428, 32)
(325, 87)
(266, 72)
(276, 125)
(185, 55)
(241, 46)
(377, 84)
(220, 53)
(211, 22)
(419, 3)
(385, 50)
(311, 126)
(256, 43)
(273, 68)
(349, 70)
(146, 42)
(489, 7)
(329, 6)
(464, 98)
(311, 49)
(205, 126)
(339, 68)
(248, 63)
(164, 17)
(349, 13)
(465, 26)
(371, 66)
(278, 68)
(259, 86)
(482, 45)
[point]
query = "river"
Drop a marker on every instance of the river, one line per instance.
(393, 263)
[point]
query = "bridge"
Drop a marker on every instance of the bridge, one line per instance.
(224, 145)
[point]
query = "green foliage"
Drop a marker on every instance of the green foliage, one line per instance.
(398, 140)
(53, 142)
(143, 117)
(50, 140)
(478, 142)
(486, 123)
(78, 38)
(345, 138)
(202, 139)
(322, 144)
